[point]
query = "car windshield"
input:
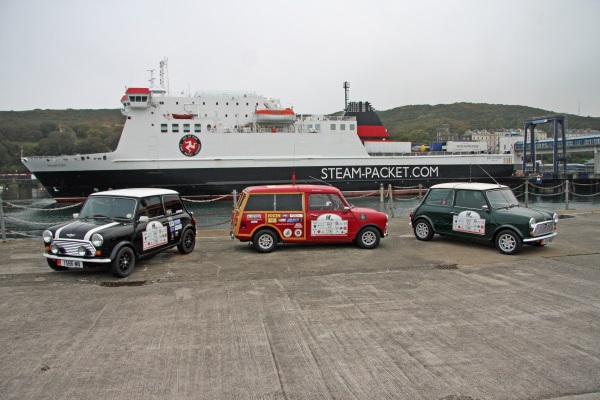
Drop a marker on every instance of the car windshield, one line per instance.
(502, 198)
(108, 207)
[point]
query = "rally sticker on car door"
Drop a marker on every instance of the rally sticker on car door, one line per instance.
(154, 235)
(329, 224)
(469, 222)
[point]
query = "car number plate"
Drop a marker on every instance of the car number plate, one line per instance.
(69, 263)
(548, 240)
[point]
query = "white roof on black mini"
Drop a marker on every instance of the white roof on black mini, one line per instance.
(469, 186)
(140, 192)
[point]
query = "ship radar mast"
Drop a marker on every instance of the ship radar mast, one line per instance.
(347, 94)
(164, 74)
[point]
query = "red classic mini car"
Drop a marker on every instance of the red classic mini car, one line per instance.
(268, 215)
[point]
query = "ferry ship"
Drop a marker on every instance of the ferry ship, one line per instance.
(212, 143)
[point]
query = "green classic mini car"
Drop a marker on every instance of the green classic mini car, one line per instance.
(483, 212)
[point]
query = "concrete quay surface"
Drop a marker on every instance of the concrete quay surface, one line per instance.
(443, 319)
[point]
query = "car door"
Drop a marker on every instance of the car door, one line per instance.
(469, 215)
(152, 235)
(438, 207)
(177, 217)
(327, 220)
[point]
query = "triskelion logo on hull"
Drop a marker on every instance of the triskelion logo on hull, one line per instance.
(189, 145)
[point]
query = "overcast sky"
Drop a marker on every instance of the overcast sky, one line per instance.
(82, 54)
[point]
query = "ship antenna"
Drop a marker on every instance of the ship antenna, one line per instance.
(319, 180)
(491, 177)
(152, 78)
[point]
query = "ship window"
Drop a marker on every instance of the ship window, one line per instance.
(175, 127)
(333, 127)
(246, 103)
(164, 128)
(352, 127)
(144, 98)
(225, 115)
(186, 127)
(342, 127)
(197, 128)
(227, 103)
(217, 103)
(318, 127)
(237, 104)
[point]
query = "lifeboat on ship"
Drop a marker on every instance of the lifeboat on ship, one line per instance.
(182, 116)
(270, 116)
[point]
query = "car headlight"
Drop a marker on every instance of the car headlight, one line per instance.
(54, 249)
(97, 240)
(555, 218)
(81, 251)
(47, 236)
(532, 222)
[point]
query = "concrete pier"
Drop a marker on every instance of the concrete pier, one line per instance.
(444, 319)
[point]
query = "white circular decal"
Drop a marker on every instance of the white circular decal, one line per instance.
(298, 232)
(287, 232)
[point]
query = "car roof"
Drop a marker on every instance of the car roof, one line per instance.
(291, 188)
(138, 192)
(469, 186)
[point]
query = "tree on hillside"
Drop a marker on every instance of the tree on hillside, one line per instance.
(57, 143)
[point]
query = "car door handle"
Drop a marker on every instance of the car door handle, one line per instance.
(314, 215)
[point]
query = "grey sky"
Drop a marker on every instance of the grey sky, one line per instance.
(82, 54)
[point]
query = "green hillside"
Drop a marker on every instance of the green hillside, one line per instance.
(462, 116)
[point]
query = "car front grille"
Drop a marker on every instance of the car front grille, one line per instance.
(69, 247)
(543, 228)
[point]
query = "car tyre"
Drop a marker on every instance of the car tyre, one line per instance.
(508, 242)
(52, 264)
(265, 241)
(423, 230)
(123, 263)
(368, 238)
(188, 241)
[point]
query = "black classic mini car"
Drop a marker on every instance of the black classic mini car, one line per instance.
(481, 211)
(117, 227)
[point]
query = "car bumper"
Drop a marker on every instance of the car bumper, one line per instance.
(82, 259)
(537, 238)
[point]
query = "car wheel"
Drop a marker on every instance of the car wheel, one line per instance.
(368, 238)
(508, 242)
(264, 241)
(52, 264)
(123, 263)
(423, 230)
(188, 241)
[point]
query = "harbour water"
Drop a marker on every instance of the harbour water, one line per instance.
(29, 218)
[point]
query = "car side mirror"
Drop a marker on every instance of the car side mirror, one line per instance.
(144, 218)
(485, 208)
(346, 209)
(75, 215)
